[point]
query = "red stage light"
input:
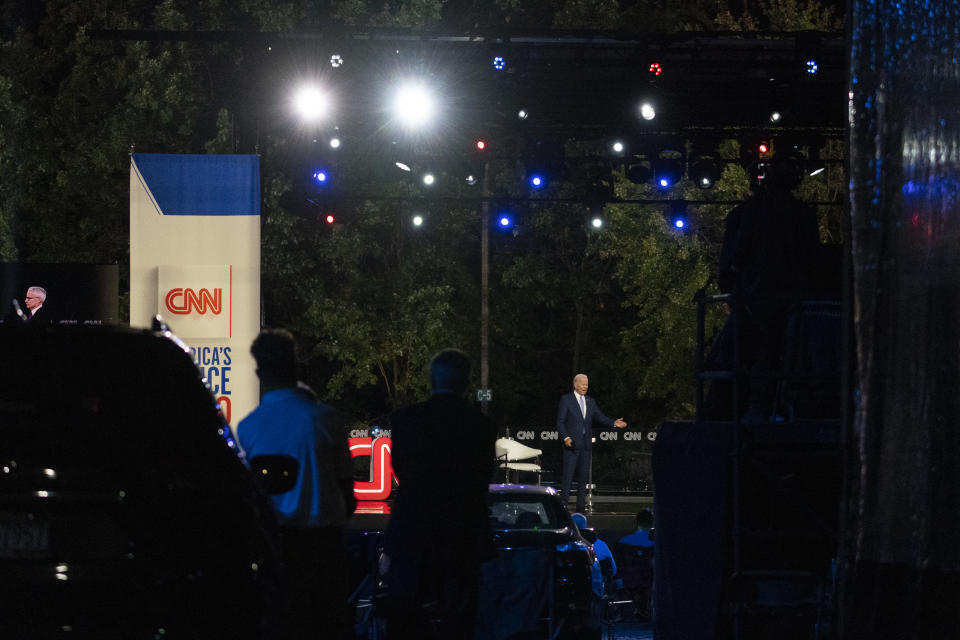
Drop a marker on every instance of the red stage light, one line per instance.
(330, 219)
(655, 68)
(763, 147)
(481, 145)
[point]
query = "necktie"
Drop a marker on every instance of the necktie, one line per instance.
(583, 405)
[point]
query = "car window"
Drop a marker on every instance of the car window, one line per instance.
(523, 512)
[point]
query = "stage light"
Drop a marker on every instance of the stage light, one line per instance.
(470, 179)
(329, 218)
(617, 146)
(668, 170)
(537, 181)
(334, 143)
(429, 179)
(639, 174)
(504, 221)
(647, 111)
(336, 61)
(705, 173)
(812, 66)
(678, 219)
(481, 145)
(499, 63)
(775, 117)
(417, 220)
(655, 69)
(320, 176)
(817, 171)
(523, 114)
(402, 166)
(414, 105)
(311, 103)
(763, 148)
(596, 222)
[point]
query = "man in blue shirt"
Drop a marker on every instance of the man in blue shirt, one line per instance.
(290, 421)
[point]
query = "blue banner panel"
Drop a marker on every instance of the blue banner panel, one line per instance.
(201, 185)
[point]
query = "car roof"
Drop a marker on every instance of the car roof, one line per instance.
(527, 489)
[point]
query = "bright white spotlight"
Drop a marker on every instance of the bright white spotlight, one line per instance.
(334, 143)
(471, 179)
(311, 103)
(402, 166)
(775, 117)
(417, 221)
(617, 147)
(647, 112)
(336, 61)
(597, 222)
(817, 171)
(523, 114)
(429, 179)
(414, 105)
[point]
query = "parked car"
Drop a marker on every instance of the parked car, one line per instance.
(539, 583)
(126, 510)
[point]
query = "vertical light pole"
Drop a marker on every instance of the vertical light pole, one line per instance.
(484, 285)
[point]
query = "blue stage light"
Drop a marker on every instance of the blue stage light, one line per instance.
(499, 63)
(320, 176)
(537, 181)
(679, 222)
(812, 66)
(505, 221)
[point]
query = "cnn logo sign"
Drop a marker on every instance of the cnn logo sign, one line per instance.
(381, 467)
(182, 301)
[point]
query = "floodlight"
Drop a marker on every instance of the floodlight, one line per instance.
(523, 114)
(336, 61)
(775, 117)
(705, 173)
(414, 105)
(596, 222)
(647, 111)
(334, 143)
(311, 103)
(639, 174)
(667, 171)
(617, 146)
(417, 220)
(429, 179)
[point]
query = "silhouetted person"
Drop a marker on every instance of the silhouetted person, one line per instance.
(576, 415)
(290, 421)
(768, 260)
(438, 535)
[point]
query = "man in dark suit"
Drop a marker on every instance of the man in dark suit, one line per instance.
(33, 301)
(439, 534)
(575, 419)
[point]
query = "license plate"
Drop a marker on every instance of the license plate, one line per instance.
(22, 536)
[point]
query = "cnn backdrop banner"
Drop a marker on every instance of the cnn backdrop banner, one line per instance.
(195, 261)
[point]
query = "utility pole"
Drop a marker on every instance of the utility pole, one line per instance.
(485, 284)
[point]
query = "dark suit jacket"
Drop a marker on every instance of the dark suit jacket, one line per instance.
(571, 422)
(443, 456)
(39, 317)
